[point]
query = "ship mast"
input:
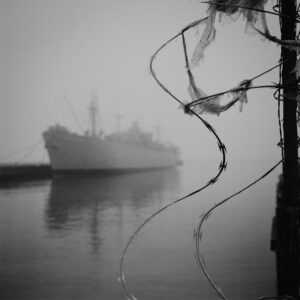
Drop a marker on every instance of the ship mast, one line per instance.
(157, 133)
(93, 113)
(118, 119)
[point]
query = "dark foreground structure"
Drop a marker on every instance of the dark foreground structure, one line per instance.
(288, 202)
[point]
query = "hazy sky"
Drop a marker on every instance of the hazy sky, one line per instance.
(56, 49)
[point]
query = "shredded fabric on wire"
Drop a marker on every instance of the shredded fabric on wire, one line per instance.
(207, 98)
(241, 88)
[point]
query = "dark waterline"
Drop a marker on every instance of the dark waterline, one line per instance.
(62, 239)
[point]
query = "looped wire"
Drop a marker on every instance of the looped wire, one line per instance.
(199, 98)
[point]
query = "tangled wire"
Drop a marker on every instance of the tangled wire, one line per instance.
(253, 12)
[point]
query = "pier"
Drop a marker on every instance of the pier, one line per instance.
(14, 172)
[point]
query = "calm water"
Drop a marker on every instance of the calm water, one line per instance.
(62, 238)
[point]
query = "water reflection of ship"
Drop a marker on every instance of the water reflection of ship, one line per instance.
(92, 202)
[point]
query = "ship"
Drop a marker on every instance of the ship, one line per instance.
(94, 152)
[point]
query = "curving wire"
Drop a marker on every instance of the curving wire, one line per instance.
(222, 167)
(205, 216)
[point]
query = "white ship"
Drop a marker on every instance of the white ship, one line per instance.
(131, 150)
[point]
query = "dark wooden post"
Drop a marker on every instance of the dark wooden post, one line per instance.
(286, 218)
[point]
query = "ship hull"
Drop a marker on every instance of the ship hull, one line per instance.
(72, 153)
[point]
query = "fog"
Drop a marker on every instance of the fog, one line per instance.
(53, 54)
